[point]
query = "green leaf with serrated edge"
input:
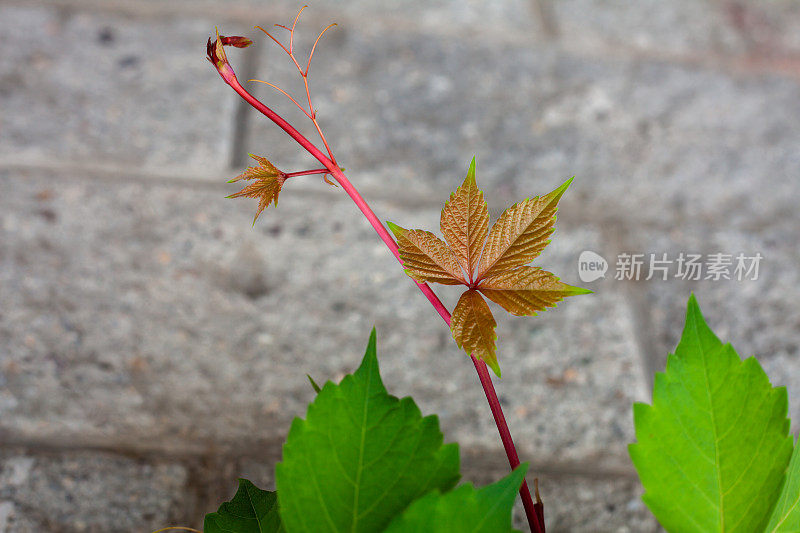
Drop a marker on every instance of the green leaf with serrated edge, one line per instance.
(465, 509)
(713, 448)
(251, 510)
(786, 514)
(360, 457)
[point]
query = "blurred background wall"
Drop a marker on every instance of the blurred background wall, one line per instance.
(154, 343)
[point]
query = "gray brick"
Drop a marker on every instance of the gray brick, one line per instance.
(82, 492)
(449, 16)
(83, 86)
(772, 28)
(676, 27)
(154, 313)
(419, 111)
(758, 31)
(712, 144)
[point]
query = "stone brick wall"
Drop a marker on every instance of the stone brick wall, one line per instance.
(154, 344)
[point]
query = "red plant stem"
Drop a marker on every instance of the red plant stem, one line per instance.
(483, 373)
(307, 172)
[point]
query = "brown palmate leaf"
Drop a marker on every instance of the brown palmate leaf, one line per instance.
(525, 291)
(265, 169)
(520, 234)
(267, 186)
(426, 257)
(465, 222)
(472, 326)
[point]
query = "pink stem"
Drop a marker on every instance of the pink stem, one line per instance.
(483, 372)
(307, 172)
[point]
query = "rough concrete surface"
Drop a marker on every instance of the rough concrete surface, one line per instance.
(681, 28)
(154, 342)
(712, 142)
(94, 86)
(91, 492)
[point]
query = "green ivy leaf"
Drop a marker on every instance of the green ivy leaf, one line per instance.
(360, 457)
(713, 448)
(465, 509)
(786, 515)
(251, 510)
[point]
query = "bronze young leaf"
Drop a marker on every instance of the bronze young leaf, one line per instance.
(488, 262)
(472, 325)
(266, 187)
(427, 258)
(465, 222)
